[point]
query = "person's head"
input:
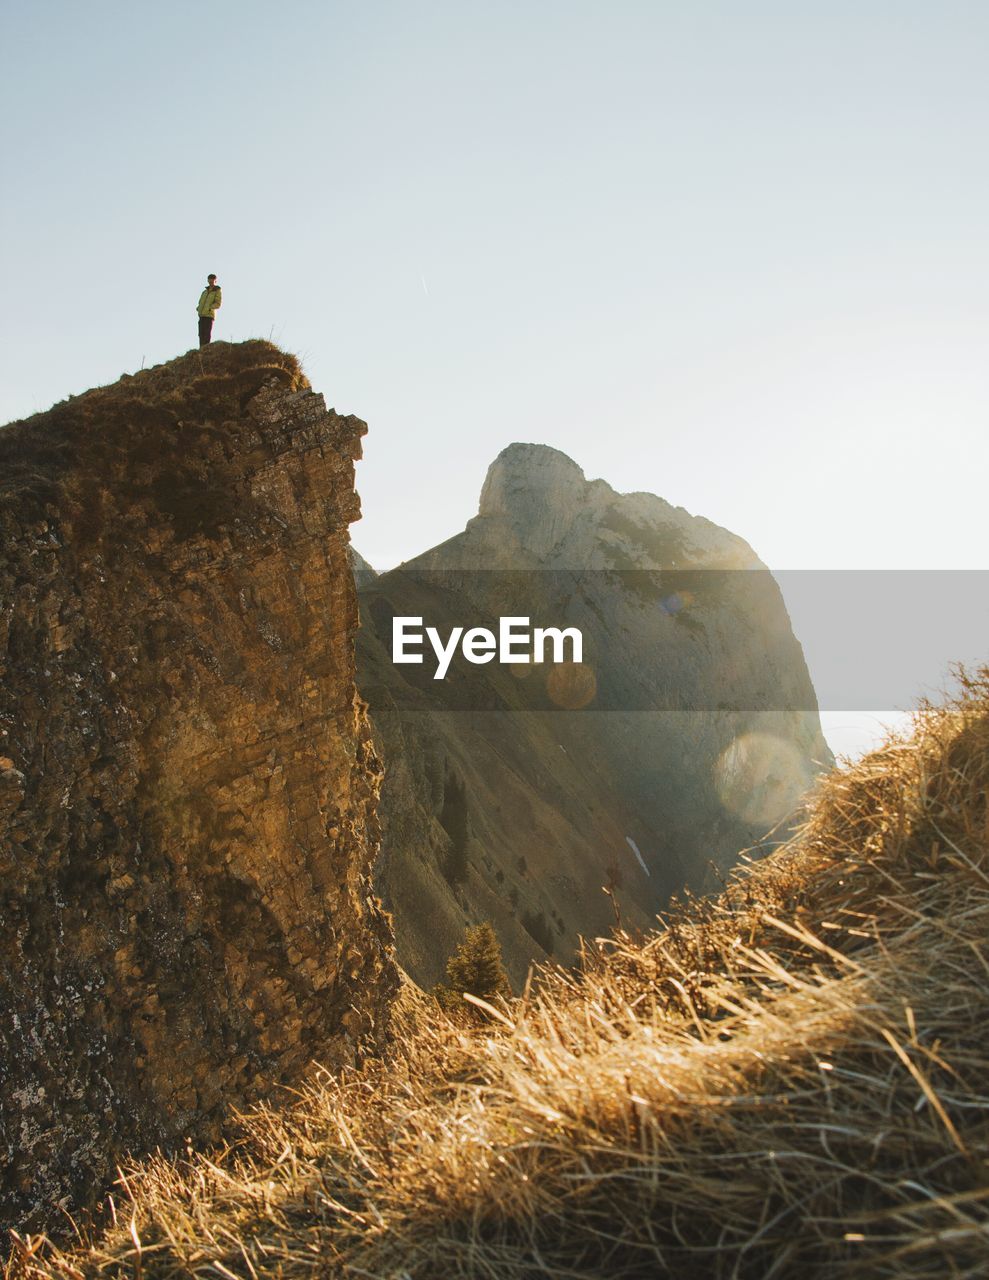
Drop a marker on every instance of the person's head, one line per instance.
(211, 279)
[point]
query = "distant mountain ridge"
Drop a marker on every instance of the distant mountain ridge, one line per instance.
(521, 814)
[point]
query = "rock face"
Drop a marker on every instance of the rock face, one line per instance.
(187, 778)
(516, 794)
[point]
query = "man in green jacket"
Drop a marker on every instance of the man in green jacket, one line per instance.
(209, 300)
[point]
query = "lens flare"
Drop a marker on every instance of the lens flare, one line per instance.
(760, 778)
(571, 685)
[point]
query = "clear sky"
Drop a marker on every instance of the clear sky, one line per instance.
(733, 252)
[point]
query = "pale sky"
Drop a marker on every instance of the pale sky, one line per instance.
(732, 252)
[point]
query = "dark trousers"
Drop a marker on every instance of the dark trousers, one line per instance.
(205, 329)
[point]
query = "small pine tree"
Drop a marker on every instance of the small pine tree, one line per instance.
(477, 967)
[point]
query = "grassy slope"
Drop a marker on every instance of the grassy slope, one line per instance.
(792, 1081)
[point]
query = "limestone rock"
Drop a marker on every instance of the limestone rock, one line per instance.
(188, 783)
(690, 730)
(364, 573)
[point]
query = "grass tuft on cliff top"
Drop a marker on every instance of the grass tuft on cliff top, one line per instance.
(81, 429)
(160, 436)
(789, 1081)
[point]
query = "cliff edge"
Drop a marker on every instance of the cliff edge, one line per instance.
(187, 779)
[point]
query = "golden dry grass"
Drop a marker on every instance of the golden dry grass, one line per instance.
(790, 1081)
(159, 440)
(138, 421)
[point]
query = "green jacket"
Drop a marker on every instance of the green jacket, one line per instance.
(209, 301)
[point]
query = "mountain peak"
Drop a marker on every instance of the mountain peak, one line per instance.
(538, 493)
(525, 475)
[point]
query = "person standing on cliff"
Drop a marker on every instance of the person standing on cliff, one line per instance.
(209, 301)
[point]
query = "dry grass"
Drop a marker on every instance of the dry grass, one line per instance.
(792, 1081)
(141, 423)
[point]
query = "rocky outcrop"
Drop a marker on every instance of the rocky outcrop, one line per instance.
(516, 794)
(187, 778)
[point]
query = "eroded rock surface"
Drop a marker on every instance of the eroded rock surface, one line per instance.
(187, 778)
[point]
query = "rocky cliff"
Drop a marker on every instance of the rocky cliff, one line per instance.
(514, 794)
(187, 778)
